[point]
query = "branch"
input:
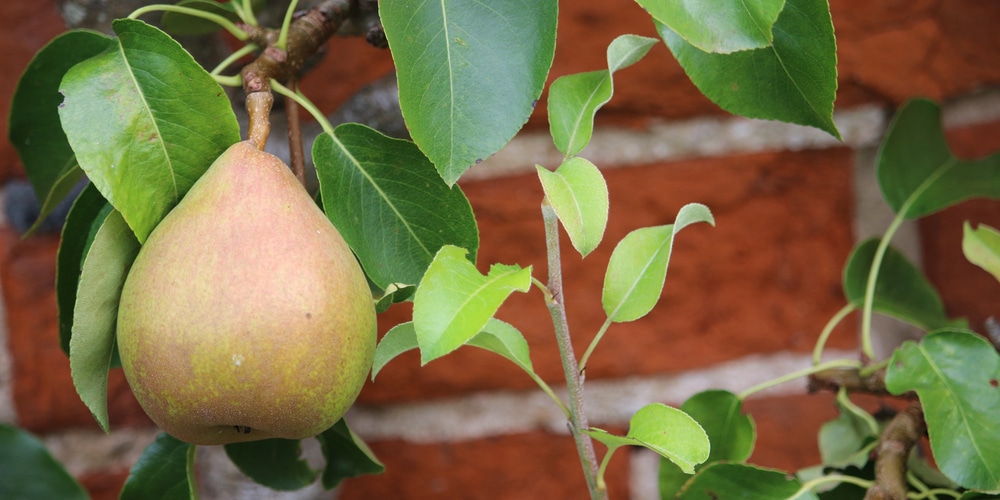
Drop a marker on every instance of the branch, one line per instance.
(898, 438)
(833, 379)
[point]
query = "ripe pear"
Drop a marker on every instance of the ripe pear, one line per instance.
(245, 315)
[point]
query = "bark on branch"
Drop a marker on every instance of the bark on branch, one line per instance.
(897, 440)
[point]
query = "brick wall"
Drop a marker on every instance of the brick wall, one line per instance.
(744, 301)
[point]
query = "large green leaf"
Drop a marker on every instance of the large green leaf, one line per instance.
(668, 431)
(347, 455)
(95, 315)
(730, 432)
(275, 463)
(720, 26)
(793, 80)
(638, 266)
(917, 171)
(955, 374)
(574, 99)
(579, 195)
(84, 218)
(34, 127)
(28, 471)
(982, 247)
(454, 302)
(145, 121)
(469, 72)
(389, 203)
(165, 471)
(726, 480)
(901, 291)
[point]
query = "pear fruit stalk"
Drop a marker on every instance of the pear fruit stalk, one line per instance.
(245, 315)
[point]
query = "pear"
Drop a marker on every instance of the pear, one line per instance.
(245, 315)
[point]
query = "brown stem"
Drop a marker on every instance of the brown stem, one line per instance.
(259, 111)
(295, 152)
(849, 378)
(898, 438)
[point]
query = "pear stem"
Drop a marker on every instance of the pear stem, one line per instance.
(259, 110)
(297, 156)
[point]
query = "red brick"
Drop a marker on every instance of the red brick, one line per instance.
(104, 485)
(530, 465)
(766, 279)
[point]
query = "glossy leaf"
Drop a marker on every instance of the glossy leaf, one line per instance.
(901, 291)
(346, 454)
(145, 121)
(731, 433)
(728, 480)
(982, 247)
(579, 195)
(389, 203)
(84, 218)
(454, 302)
(275, 463)
(720, 26)
(955, 373)
(165, 471)
(668, 431)
(177, 23)
(793, 80)
(917, 171)
(27, 470)
(638, 266)
(469, 72)
(95, 316)
(34, 128)
(574, 99)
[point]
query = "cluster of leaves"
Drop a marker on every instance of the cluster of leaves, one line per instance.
(143, 120)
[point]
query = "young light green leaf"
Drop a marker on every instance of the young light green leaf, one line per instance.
(668, 431)
(347, 455)
(638, 266)
(574, 99)
(165, 471)
(955, 374)
(27, 470)
(454, 302)
(579, 195)
(34, 128)
(982, 247)
(792, 80)
(389, 204)
(469, 72)
(842, 440)
(275, 463)
(901, 291)
(918, 173)
(721, 26)
(727, 480)
(96, 312)
(399, 339)
(145, 121)
(730, 432)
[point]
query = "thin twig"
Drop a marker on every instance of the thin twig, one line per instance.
(296, 155)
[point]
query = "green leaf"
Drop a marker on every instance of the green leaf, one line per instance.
(394, 294)
(982, 247)
(346, 454)
(84, 218)
(955, 374)
(145, 121)
(730, 432)
(34, 128)
(177, 23)
(726, 480)
(917, 171)
(638, 266)
(454, 302)
(668, 431)
(793, 80)
(28, 471)
(720, 26)
(165, 471)
(275, 463)
(469, 72)
(843, 440)
(901, 291)
(389, 203)
(96, 313)
(574, 99)
(579, 195)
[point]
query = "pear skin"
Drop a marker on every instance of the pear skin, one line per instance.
(245, 315)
